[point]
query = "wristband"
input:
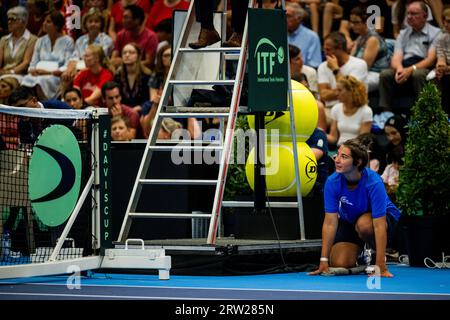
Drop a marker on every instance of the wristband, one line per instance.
(414, 67)
(323, 259)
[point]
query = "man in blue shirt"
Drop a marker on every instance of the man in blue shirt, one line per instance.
(357, 212)
(414, 56)
(307, 40)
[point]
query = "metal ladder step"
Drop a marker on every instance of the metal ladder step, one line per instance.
(186, 80)
(201, 82)
(188, 142)
(209, 50)
(180, 115)
(172, 215)
(199, 147)
(192, 182)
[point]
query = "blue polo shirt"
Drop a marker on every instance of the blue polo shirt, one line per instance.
(369, 196)
(309, 43)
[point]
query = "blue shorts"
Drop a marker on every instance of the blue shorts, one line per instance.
(346, 231)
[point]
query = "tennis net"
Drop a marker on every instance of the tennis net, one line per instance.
(25, 236)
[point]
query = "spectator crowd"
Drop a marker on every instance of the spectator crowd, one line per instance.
(365, 70)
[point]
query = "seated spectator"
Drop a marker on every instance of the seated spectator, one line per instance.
(72, 96)
(30, 128)
(163, 9)
(156, 84)
(351, 116)
(369, 46)
(120, 128)
(113, 101)
(117, 12)
(390, 174)
(158, 78)
(377, 161)
(414, 55)
(300, 72)
(338, 64)
(395, 130)
(348, 6)
(133, 77)
(443, 62)
(16, 48)
(92, 23)
(97, 73)
(133, 31)
(332, 12)
(51, 53)
(7, 86)
(24, 97)
(38, 11)
(100, 5)
(307, 40)
(168, 126)
(164, 31)
(312, 7)
(8, 128)
(399, 13)
(297, 66)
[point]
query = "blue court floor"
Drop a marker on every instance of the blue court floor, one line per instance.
(408, 284)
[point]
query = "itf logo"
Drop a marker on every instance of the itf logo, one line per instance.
(266, 58)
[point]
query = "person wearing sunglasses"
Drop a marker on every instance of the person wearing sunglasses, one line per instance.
(16, 48)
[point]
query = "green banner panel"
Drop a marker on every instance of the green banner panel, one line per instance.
(267, 60)
(105, 182)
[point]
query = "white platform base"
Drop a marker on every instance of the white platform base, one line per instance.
(138, 259)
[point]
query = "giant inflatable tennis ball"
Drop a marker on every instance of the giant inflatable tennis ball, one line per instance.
(280, 172)
(305, 113)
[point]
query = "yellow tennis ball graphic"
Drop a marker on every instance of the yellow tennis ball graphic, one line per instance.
(305, 113)
(280, 172)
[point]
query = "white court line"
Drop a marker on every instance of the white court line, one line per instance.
(101, 296)
(252, 289)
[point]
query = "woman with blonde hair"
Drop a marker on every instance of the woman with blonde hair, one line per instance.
(351, 116)
(168, 126)
(133, 76)
(7, 86)
(97, 72)
(93, 23)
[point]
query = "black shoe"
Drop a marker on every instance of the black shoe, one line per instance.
(205, 38)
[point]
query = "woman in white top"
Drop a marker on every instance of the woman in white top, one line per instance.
(351, 116)
(93, 23)
(50, 55)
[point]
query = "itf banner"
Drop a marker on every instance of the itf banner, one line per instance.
(267, 60)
